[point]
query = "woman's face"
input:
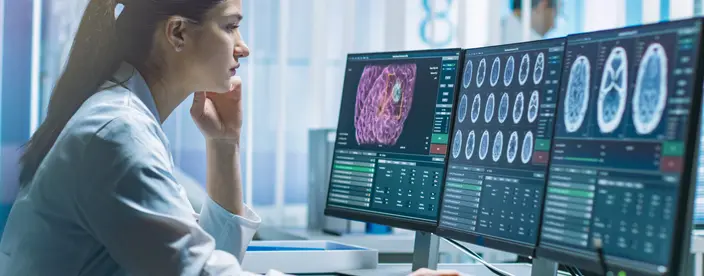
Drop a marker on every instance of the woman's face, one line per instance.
(214, 52)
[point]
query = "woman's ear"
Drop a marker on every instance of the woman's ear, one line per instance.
(175, 32)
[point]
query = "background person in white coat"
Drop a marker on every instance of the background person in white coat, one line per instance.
(542, 20)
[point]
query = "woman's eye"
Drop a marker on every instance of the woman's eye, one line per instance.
(232, 27)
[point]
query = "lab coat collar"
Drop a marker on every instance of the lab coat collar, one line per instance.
(135, 82)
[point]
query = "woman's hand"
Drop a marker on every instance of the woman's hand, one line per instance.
(429, 272)
(219, 115)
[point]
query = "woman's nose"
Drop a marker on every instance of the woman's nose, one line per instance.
(241, 50)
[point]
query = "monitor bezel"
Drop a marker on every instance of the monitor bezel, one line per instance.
(392, 220)
(682, 223)
(477, 238)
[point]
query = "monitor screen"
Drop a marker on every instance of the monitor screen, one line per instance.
(699, 198)
(623, 149)
(498, 160)
(392, 137)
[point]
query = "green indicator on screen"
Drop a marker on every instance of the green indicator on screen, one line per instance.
(354, 168)
(440, 138)
(673, 148)
(464, 186)
(570, 192)
(542, 144)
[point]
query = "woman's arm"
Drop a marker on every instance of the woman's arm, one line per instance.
(224, 179)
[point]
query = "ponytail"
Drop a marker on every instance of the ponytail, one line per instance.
(94, 57)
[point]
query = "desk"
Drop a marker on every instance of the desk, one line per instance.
(399, 243)
(469, 269)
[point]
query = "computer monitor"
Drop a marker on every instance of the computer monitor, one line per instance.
(392, 137)
(621, 168)
(496, 170)
(699, 195)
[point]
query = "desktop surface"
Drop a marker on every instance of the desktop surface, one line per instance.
(621, 159)
(392, 137)
(503, 127)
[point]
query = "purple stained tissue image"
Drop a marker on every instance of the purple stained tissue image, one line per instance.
(384, 98)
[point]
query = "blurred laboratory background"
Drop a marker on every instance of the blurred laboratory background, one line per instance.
(292, 80)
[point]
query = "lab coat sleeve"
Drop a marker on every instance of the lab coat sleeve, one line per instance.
(136, 210)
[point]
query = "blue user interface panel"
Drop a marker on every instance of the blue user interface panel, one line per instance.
(618, 167)
(499, 154)
(391, 145)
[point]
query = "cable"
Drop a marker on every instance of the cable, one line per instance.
(600, 252)
(477, 257)
(570, 270)
(577, 271)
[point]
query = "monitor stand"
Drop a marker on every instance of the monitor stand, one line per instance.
(543, 267)
(425, 251)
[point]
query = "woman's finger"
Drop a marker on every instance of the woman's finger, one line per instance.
(198, 105)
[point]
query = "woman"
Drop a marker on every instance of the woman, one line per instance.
(98, 196)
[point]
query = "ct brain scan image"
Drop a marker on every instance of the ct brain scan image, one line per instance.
(484, 145)
(508, 72)
(503, 108)
(523, 71)
(495, 71)
(498, 146)
(476, 107)
(457, 144)
(462, 108)
(469, 148)
(467, 76)
(539, 68)
(650, 93)
(577, 98)
(512, 147)
(527, 148)
(489, 109)
(611, 102)
(518, 108)
(533, 106)
(481, 73)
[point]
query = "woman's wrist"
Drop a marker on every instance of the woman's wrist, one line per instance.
(224, 185)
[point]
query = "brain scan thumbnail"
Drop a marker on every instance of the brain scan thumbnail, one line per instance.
(384, 99)
(523, 70)
(527, 148)
(650, 93)
(577, 98)
(457, 144)
(498, 146)
(481, 73)
(611, 102)
(518, 108)
(508, 72)
(512, 147)
(476, 107)
(533, 106)
(462, 108)
(484, 145)
(495, 71)
(503, 108)
(489, 109)
(539, 68)
(467, 76)
(469, 148)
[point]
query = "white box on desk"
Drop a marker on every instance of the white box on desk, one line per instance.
(307, 257)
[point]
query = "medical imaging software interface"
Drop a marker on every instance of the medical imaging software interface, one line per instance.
(392, 137)
(500, 145)
(617, 158)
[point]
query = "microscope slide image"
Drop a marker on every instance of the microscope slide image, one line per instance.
(481, 73)
(457, 144)
(518, 108)
(523, 71)
(508, 72)
(462, 108)
(498, 146)
(650, 93)
(533, 106)
(512, 148)
(495, 71)
(467, 76)
(384, 98)
(577, 98)
(539, 68)
(527, 149)
(469, 148)
(611, 102)
(489, 109)
(476, 107)
(503, 107)
(484, 145)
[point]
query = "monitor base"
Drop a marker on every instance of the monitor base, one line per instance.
(425, 251)
(543, 267)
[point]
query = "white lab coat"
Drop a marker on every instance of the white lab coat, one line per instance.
(512, 31)
(105, 201)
